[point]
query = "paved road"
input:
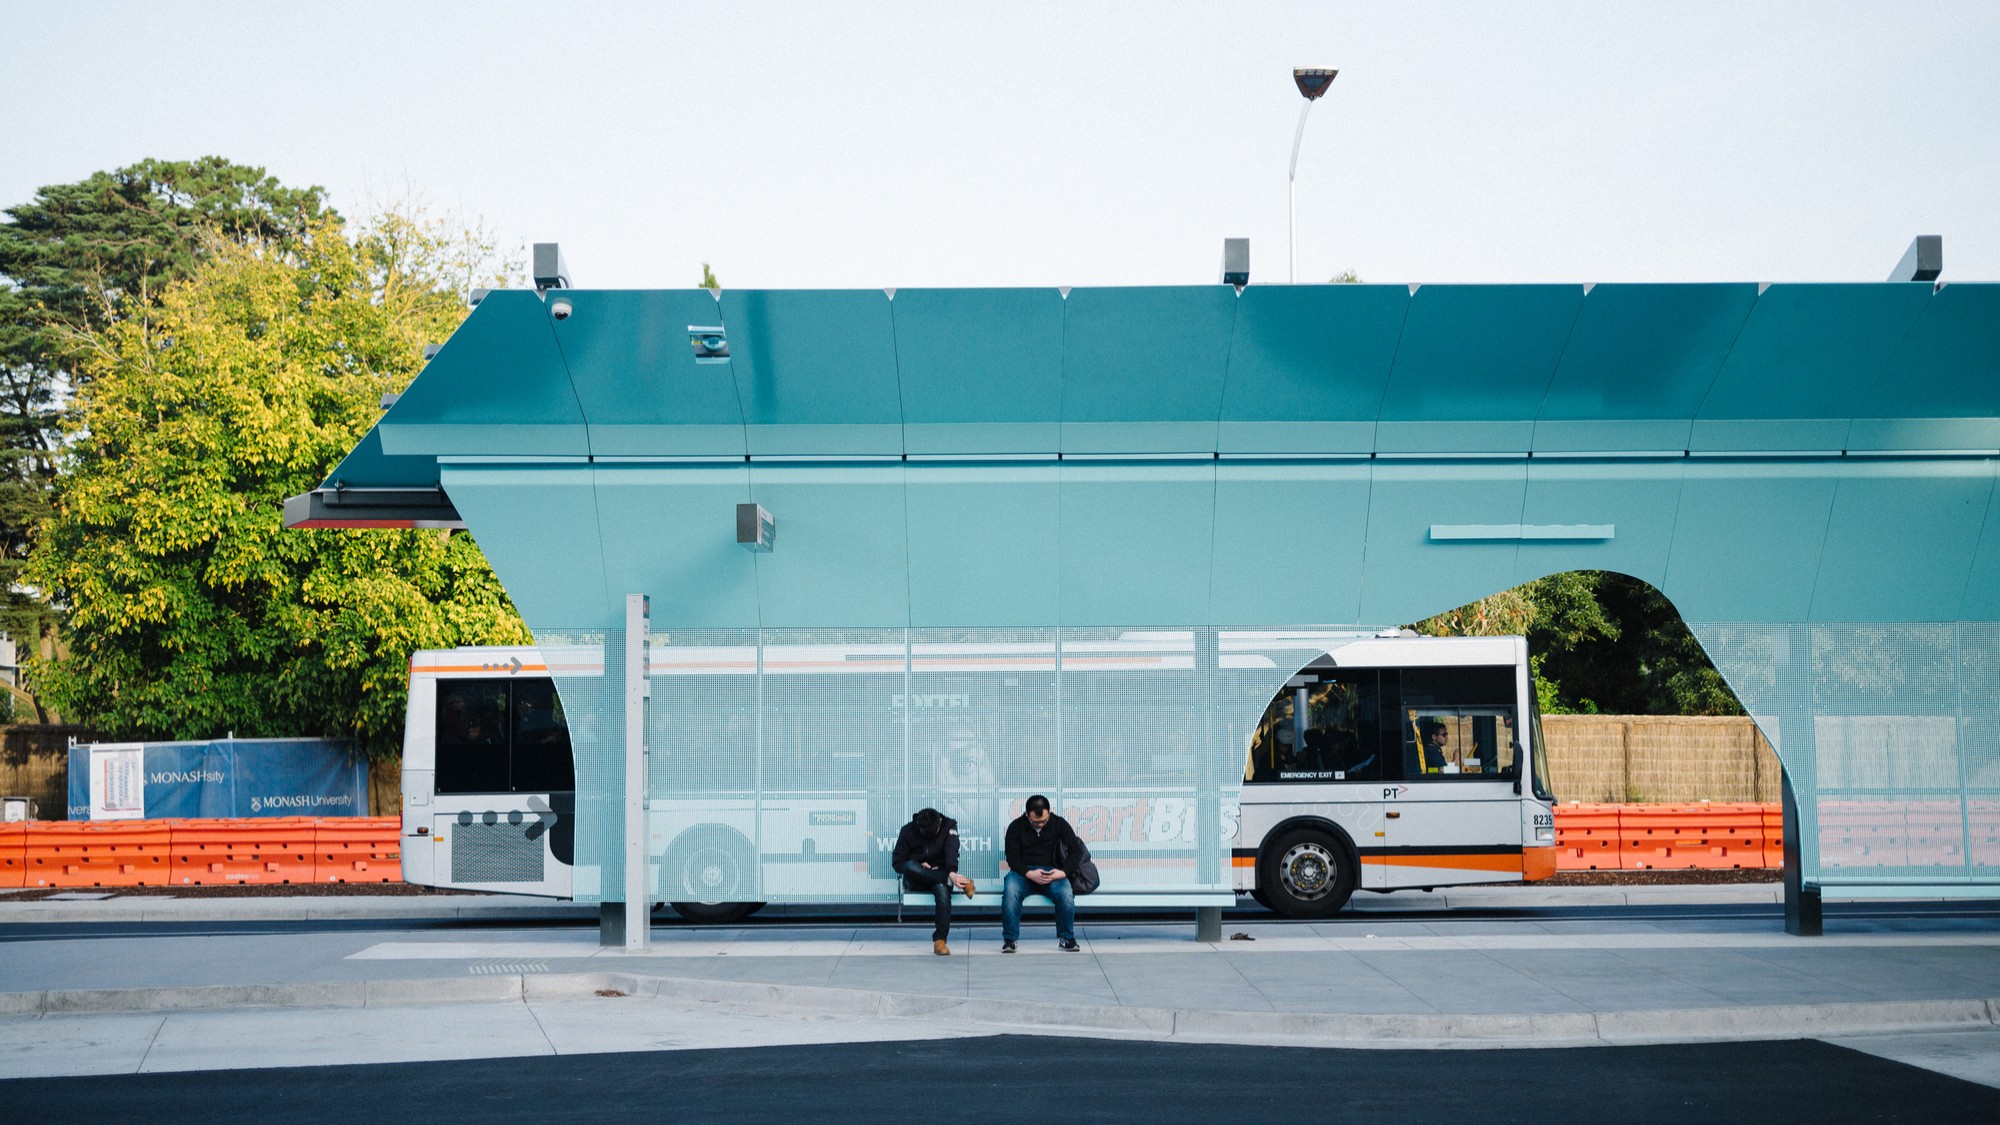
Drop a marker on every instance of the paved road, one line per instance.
(1030, 1078)
(140, 990)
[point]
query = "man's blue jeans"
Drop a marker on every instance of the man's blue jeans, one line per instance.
(1017, 887)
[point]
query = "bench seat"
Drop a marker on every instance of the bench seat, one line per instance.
(1093, 901)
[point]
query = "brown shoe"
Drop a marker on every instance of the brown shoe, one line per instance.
(970, 888)
(941, 949)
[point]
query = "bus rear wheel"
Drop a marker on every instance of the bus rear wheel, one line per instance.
(1306, 873)
(717, 913)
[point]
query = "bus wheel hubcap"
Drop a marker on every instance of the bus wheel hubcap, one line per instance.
(711, 871)
(1307, 870)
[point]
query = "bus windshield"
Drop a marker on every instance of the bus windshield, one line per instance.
(1539, 754)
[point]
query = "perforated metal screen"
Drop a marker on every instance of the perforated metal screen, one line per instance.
(783, 762)
(1891, 736)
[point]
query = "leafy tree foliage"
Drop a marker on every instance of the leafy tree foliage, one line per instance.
(95, 251)
(1600, 642)
(190, 610)
(76, 259)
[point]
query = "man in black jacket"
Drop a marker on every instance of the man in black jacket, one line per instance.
(1038, 846)
(926, 857)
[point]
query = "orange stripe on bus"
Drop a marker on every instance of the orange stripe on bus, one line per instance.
(1450, 862)
(1537, 863)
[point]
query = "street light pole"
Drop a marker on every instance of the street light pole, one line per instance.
(1312, 83)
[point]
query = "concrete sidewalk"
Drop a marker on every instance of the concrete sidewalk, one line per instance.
(162, 905)
(1396, 971)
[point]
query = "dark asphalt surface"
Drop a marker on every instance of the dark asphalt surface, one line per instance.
(1055, 1080)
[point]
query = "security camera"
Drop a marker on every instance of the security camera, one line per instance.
(560, 310)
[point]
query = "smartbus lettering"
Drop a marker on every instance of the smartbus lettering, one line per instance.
(1147, 820)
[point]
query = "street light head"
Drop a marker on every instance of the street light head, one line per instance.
(1313, 81)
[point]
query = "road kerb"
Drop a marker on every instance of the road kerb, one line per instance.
(1302, 1028)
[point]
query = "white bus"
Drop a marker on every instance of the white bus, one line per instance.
(1390, 762)
(1396, 762)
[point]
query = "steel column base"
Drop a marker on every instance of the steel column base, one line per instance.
(1208, 923)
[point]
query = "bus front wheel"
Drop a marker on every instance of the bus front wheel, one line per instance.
(1306, 873)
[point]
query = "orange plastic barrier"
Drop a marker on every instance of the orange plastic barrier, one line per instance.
(1587, 837)
(1684, 837)
(1668, 837)
(368, 849)
(1982, 823)
(1937, 833)
(13, 855)
(358, 850)
(1863, 834)
(217, 852)
(113, 853)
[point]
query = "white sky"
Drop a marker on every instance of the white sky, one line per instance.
(814, 144)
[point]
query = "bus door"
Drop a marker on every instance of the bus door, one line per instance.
(504, 786)
(1455, 814)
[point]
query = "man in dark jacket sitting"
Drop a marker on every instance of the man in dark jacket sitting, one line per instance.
(926, 857)
(1038, 846)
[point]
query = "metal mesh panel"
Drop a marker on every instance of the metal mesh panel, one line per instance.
(1134, 728)
(494, 853)
(701, 781)
(1979, 744)
(982, 721)
(783, 763)
(1251, 667)
(1888, 732)
(594, 703)
(831, 759)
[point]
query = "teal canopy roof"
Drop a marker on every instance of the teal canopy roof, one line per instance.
(1327, 369)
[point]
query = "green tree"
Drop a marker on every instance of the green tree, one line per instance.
(76, 259)
(1646, 662)
(190, 610)
(1601, 642)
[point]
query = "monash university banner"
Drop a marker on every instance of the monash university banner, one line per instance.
(231, 777)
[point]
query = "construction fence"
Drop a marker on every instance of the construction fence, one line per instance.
(1659, 759)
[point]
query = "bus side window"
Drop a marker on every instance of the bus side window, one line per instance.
(472, 736)
(1341, 724)
(1325, 730)
(542, 760)
(1458, 722)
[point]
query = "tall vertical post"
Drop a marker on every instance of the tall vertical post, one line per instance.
(1292, 187)
(1802, 899)
(638, 686)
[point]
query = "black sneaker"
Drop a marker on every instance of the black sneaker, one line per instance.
(1068, 945)
(1006, 945)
